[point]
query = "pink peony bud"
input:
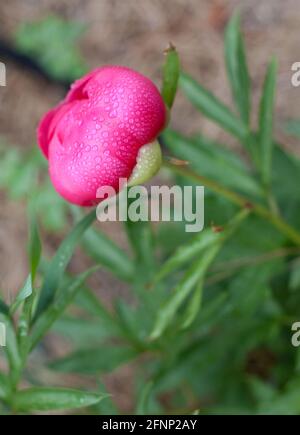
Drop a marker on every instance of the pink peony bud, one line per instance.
(94, 136)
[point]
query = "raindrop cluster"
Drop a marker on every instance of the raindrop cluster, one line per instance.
(93, 137)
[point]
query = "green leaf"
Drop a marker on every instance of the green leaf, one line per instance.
(193, 307)
(285, 167)
(187, 252)
(23, 175)
(4, 308)
(135, 321)
(143, 399)
(287, 403)
(211, 107)
(237, 70)
(212, 160)
(262, 391)
(193, 275)
(24, 293)
(4, 386)
(81, 332)
(10, 163)
(52, 42)
(294, 280)
(265, 135)
(51, 208)
(60, 261)
(30, 297)
(258, 277)
(66, 295)
(11, 349)
(19, 171)
(87, 300)
(35, 247)
(141, 238)
(95, 360)
(204, 240)
(171, 70)
(107, 407)
(44, 399)
(107, 253)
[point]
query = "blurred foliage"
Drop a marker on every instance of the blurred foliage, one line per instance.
(292, 127)
(209, 323)
(25, 176)
(52, 43)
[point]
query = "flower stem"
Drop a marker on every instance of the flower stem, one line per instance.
(290, 232)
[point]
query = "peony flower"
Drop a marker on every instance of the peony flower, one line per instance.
(104, 130)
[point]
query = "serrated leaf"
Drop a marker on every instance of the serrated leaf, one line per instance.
(44, 399)
(237, 70)
(60, 261)
(211, 107)
(171, 70)
(265, 135)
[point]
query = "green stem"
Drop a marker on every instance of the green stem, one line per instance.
(239, 200)
(223, 270)
(271, 200)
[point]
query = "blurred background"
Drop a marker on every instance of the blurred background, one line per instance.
(43, 54)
